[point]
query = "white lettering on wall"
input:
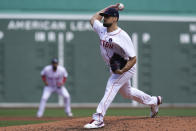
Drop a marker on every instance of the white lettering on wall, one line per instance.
(36, 25)
(184, 38)
(51, 36)
(69, 36)
(192, 27)
(40, 36)
(80, 26)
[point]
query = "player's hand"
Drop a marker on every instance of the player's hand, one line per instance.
(118, 6)
(118, 72)
(114, 6)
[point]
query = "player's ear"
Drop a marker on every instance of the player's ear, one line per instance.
(115, 19)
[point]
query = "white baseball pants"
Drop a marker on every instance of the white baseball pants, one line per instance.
(121, 83)
(46, 94)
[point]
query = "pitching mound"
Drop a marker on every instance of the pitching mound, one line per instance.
(113, 123)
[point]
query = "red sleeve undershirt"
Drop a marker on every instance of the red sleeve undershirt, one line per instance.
(64, 80)
(44, 78)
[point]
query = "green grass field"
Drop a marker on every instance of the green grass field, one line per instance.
(86, 112)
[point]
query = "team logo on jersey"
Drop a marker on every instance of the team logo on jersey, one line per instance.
(110, 40)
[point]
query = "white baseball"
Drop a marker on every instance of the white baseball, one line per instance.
(120, 6)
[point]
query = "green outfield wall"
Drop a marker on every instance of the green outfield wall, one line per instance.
(166, 56)
(32, 33)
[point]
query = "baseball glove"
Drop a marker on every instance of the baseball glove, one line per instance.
(117, 62)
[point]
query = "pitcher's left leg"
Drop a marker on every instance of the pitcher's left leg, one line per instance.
(112, 89)
(115, 82)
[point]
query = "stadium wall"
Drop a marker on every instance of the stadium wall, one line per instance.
(163, 32)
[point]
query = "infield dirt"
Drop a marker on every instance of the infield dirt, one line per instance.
(112, 123)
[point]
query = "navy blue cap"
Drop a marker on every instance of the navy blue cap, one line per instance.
(110, 12)
(54, 61)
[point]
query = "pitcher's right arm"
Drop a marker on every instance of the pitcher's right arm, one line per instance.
(96, 16)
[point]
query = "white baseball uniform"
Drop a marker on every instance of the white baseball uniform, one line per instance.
(119, 42)
(53, 78)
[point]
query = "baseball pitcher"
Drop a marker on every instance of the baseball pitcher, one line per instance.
(54, 77)
(118, 52)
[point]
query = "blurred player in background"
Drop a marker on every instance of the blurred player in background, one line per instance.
(54, 77)
(114, 40)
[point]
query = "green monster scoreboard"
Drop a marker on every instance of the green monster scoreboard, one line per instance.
(165, 46)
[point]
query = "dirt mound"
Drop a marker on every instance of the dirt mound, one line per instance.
(120, 123)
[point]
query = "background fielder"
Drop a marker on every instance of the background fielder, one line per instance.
(54, 76)
(114, 40)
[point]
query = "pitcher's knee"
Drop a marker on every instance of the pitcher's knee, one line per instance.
(67, 97)
(126, 96)
(44, 99)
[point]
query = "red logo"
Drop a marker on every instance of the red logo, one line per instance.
(106, 44)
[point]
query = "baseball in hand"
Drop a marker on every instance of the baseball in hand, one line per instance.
(120, 6)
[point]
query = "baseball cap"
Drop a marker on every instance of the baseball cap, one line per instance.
(110, 12)
(54, 61)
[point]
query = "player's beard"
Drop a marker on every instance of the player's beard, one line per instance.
(54, 68)
(107, 24)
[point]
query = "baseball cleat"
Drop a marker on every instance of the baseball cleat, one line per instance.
(39, 115)
(70, 114)
(94, 124)
(155, 109)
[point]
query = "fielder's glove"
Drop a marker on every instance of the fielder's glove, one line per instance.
(117, 62)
